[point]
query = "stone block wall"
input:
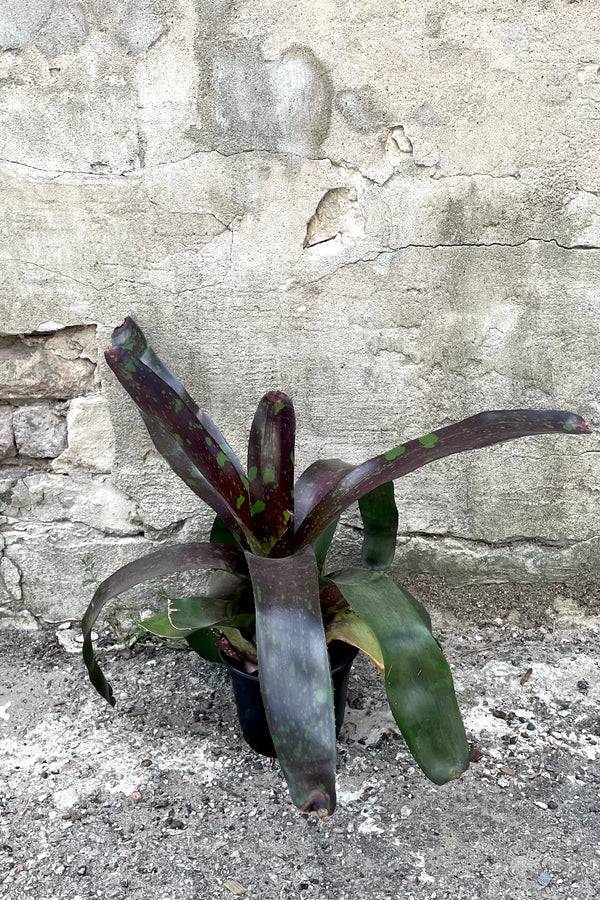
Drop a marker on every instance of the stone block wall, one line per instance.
(57, 453)
(390, 211)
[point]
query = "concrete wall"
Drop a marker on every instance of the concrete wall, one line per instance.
(389, 210)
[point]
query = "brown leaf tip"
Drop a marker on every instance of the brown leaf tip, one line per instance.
(319, 803)
(277, 397)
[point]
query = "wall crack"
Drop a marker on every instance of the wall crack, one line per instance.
(505, 543)
(459, 246)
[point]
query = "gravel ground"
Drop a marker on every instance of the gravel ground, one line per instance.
(160, 798)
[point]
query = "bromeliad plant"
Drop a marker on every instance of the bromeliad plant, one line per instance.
(276, 610)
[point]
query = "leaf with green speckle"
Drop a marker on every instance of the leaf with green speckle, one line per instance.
(394, 452)
(184, 435)
(130, 336)
(271, 470)
(289, 633)
(337, 491)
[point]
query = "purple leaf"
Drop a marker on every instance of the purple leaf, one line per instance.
(160, 402)
(182, 465)
(295, 678)
(473, 433)
(130, 336)
(315, 483)
(176, 558)
(271, 470)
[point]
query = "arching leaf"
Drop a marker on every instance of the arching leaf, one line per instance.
(473, 433)
(417, 677)
(167, 561)
(185, 441)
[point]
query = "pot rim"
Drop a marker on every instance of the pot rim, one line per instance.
(352, 651)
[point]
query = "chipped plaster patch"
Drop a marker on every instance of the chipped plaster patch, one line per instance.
(398, 145)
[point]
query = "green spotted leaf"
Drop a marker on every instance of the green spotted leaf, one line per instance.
(294, 674)
(481, 430)
(184, 435)
(271, 470)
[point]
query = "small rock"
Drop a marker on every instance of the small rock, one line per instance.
(146, 763)
(135, 796)
(10, 575)
(7, 440)
(405, 812)
(530, 726)
(234, 886)
(68, 641)
(541, 804)
(544, 878)
(40, 431)
(552, 804)
(526, 677)
(82, 870)
(91, 436)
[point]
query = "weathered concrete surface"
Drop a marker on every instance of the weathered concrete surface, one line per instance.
(393, 214)
(160, 799)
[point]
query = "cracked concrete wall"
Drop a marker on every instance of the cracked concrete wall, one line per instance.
(391, 212)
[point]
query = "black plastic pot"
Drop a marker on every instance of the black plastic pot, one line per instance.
(248, 699)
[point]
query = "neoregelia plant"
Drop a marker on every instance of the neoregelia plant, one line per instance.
(276, 609)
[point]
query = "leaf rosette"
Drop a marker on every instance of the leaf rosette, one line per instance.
(270, 602)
